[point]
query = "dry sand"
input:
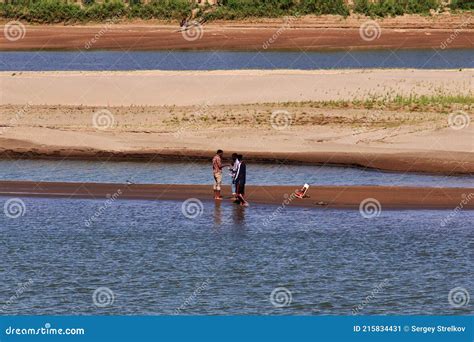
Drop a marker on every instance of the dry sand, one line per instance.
(181, 88)
(404, 140)
(148, 115)
(330, 196)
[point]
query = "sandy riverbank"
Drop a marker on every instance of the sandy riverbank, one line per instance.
(306, 33)
(183, 88)
(331, 196)
(151, 115)
(405, 139)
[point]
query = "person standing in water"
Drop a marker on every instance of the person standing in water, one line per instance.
(240, 179)
(217, 172)
(233, 170)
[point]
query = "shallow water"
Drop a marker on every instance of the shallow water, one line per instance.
(227, 261)
(200, 173)
(226, 60)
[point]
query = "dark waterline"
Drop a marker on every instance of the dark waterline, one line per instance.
(155, 259)
(200, 173)
(226, 60)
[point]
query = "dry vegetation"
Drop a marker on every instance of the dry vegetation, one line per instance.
(373, 113)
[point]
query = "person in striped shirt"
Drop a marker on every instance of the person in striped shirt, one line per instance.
(217, 172)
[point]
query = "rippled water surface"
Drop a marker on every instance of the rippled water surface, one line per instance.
(226, 260)
(226, 60)
(200, 173)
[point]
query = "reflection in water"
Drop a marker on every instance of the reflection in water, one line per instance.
(238, 214)
(217, 213)
(223, 216)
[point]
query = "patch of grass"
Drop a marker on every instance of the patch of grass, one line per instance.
(412, 103)
(462, 4)
(160, 9)
(383, 8)
(54, 11)
(370, 113)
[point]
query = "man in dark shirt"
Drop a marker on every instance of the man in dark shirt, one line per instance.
(240, 179)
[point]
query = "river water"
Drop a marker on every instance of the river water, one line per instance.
(227, 60)
(150, 258)
(201, 173)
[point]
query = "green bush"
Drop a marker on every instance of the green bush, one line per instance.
(422, 6)
(106, 10)
(8, 11)
(53, 11)
(239, 9)
(362, 6)
(324, 7)
(463, 4)
(56, 11)
(161, 9)
(384, 8)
